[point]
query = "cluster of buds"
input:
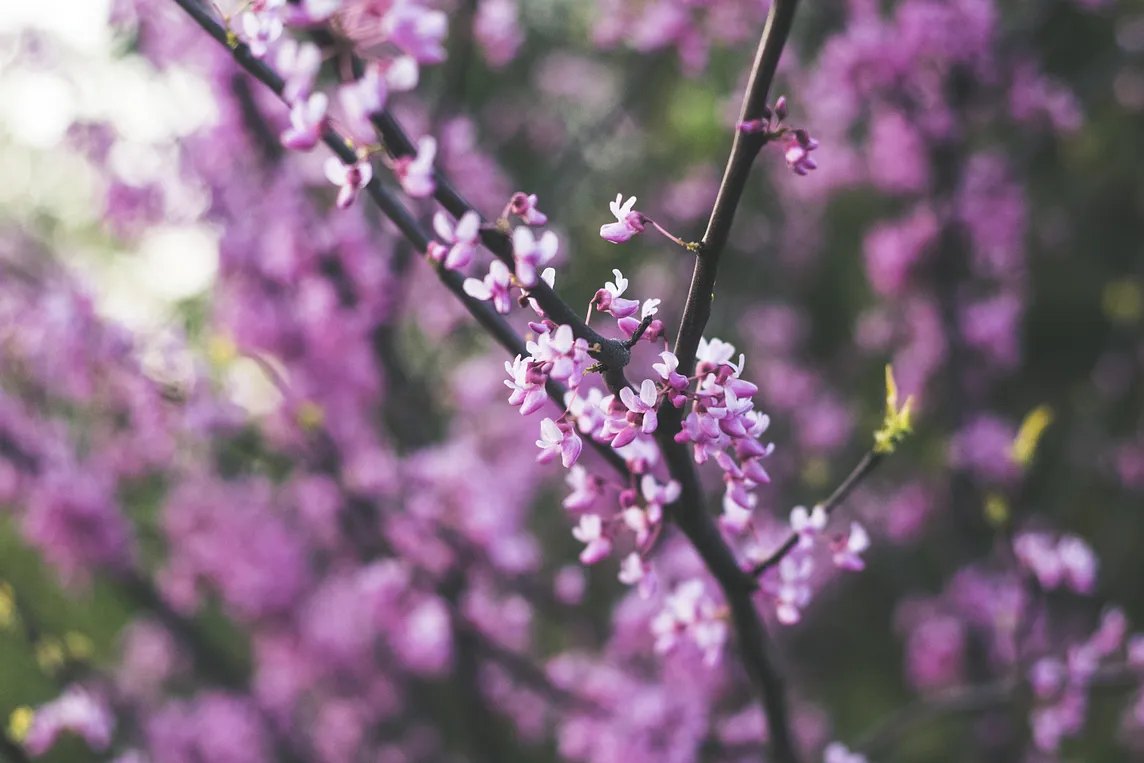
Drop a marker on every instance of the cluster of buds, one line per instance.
(796, 142)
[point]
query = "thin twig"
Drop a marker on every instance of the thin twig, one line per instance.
(868, 463)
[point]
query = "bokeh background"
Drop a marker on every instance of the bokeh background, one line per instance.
(977, 219)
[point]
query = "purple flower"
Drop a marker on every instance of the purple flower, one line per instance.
(77, 710)
(558, 439)
(312, 12)
(531, 254)
(417, 31)
(628, 222)
(654, 329)
(738, 508)
(836, 752)
(847, 553)
(463, 239)
(608, 299)
(807, 525)
(590, 531)
(363, 98)
(524, 207)
(674, 379)
(797, 152)
(527, 385)
(415, 173)
(658, 495)
(641, 416)
(586, 488)
(298, 64)
(635, 571)
(260, 30)
(496, 287)
(690, 612)
(307, 118)
(792, 593)
(497, 30)
(350, 179)
(560, 356)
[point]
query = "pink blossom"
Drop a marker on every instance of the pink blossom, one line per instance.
(495, 286)
(792, 593)
(654, 329)
(797, 152)
(558, 439)
(635, 571)
(260, 30)
(847, 554)
(463, 239)
(658, 495)
(590, 531)
(312, 12)
(530, 254)
(608, 299)
(78, 710)
(524, 207)
(350, 179)
(836, 752)
(526, 383)
(677, 383)
(807, 525)
(497, 31)
(588, 410)
(628, 222)
(689, 612)
(560, 356)
(738, 508)
(415, 173)
(363, 98)
(307, 119)
(586, 488)
(416, 30)
(298, 64)
(641, 415)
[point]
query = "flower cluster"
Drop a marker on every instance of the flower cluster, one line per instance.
(796, 142)
(1068, 562)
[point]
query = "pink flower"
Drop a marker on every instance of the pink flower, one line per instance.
(531, 254)
(495, 286)
(497, 31)
(797, 152)
(416, 30)
(260, 30)
(641, 415)
(658, 495)
(608, 299)
(463, 239)
(635, 571)
(590, 531)
(307, 118)
(807, 525)
(793, 590)
(558, 439)
(298, 64)
(527, 385)
(586, 488)
(415, 173)
(524, 207)
(560, 356)
(628, 222)
(675, 381)
(847, 554)
(312, 12)
(77, 710)
(363, 98)
(351, 179)
(738, 507)
(654, 329)
(836, 752)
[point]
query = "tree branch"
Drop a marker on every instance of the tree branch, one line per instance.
(744, 149)
(868, 463)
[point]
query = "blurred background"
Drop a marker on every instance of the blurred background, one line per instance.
(977, 220)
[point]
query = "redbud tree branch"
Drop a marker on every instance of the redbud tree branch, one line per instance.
(754, 645)
(867, 465)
